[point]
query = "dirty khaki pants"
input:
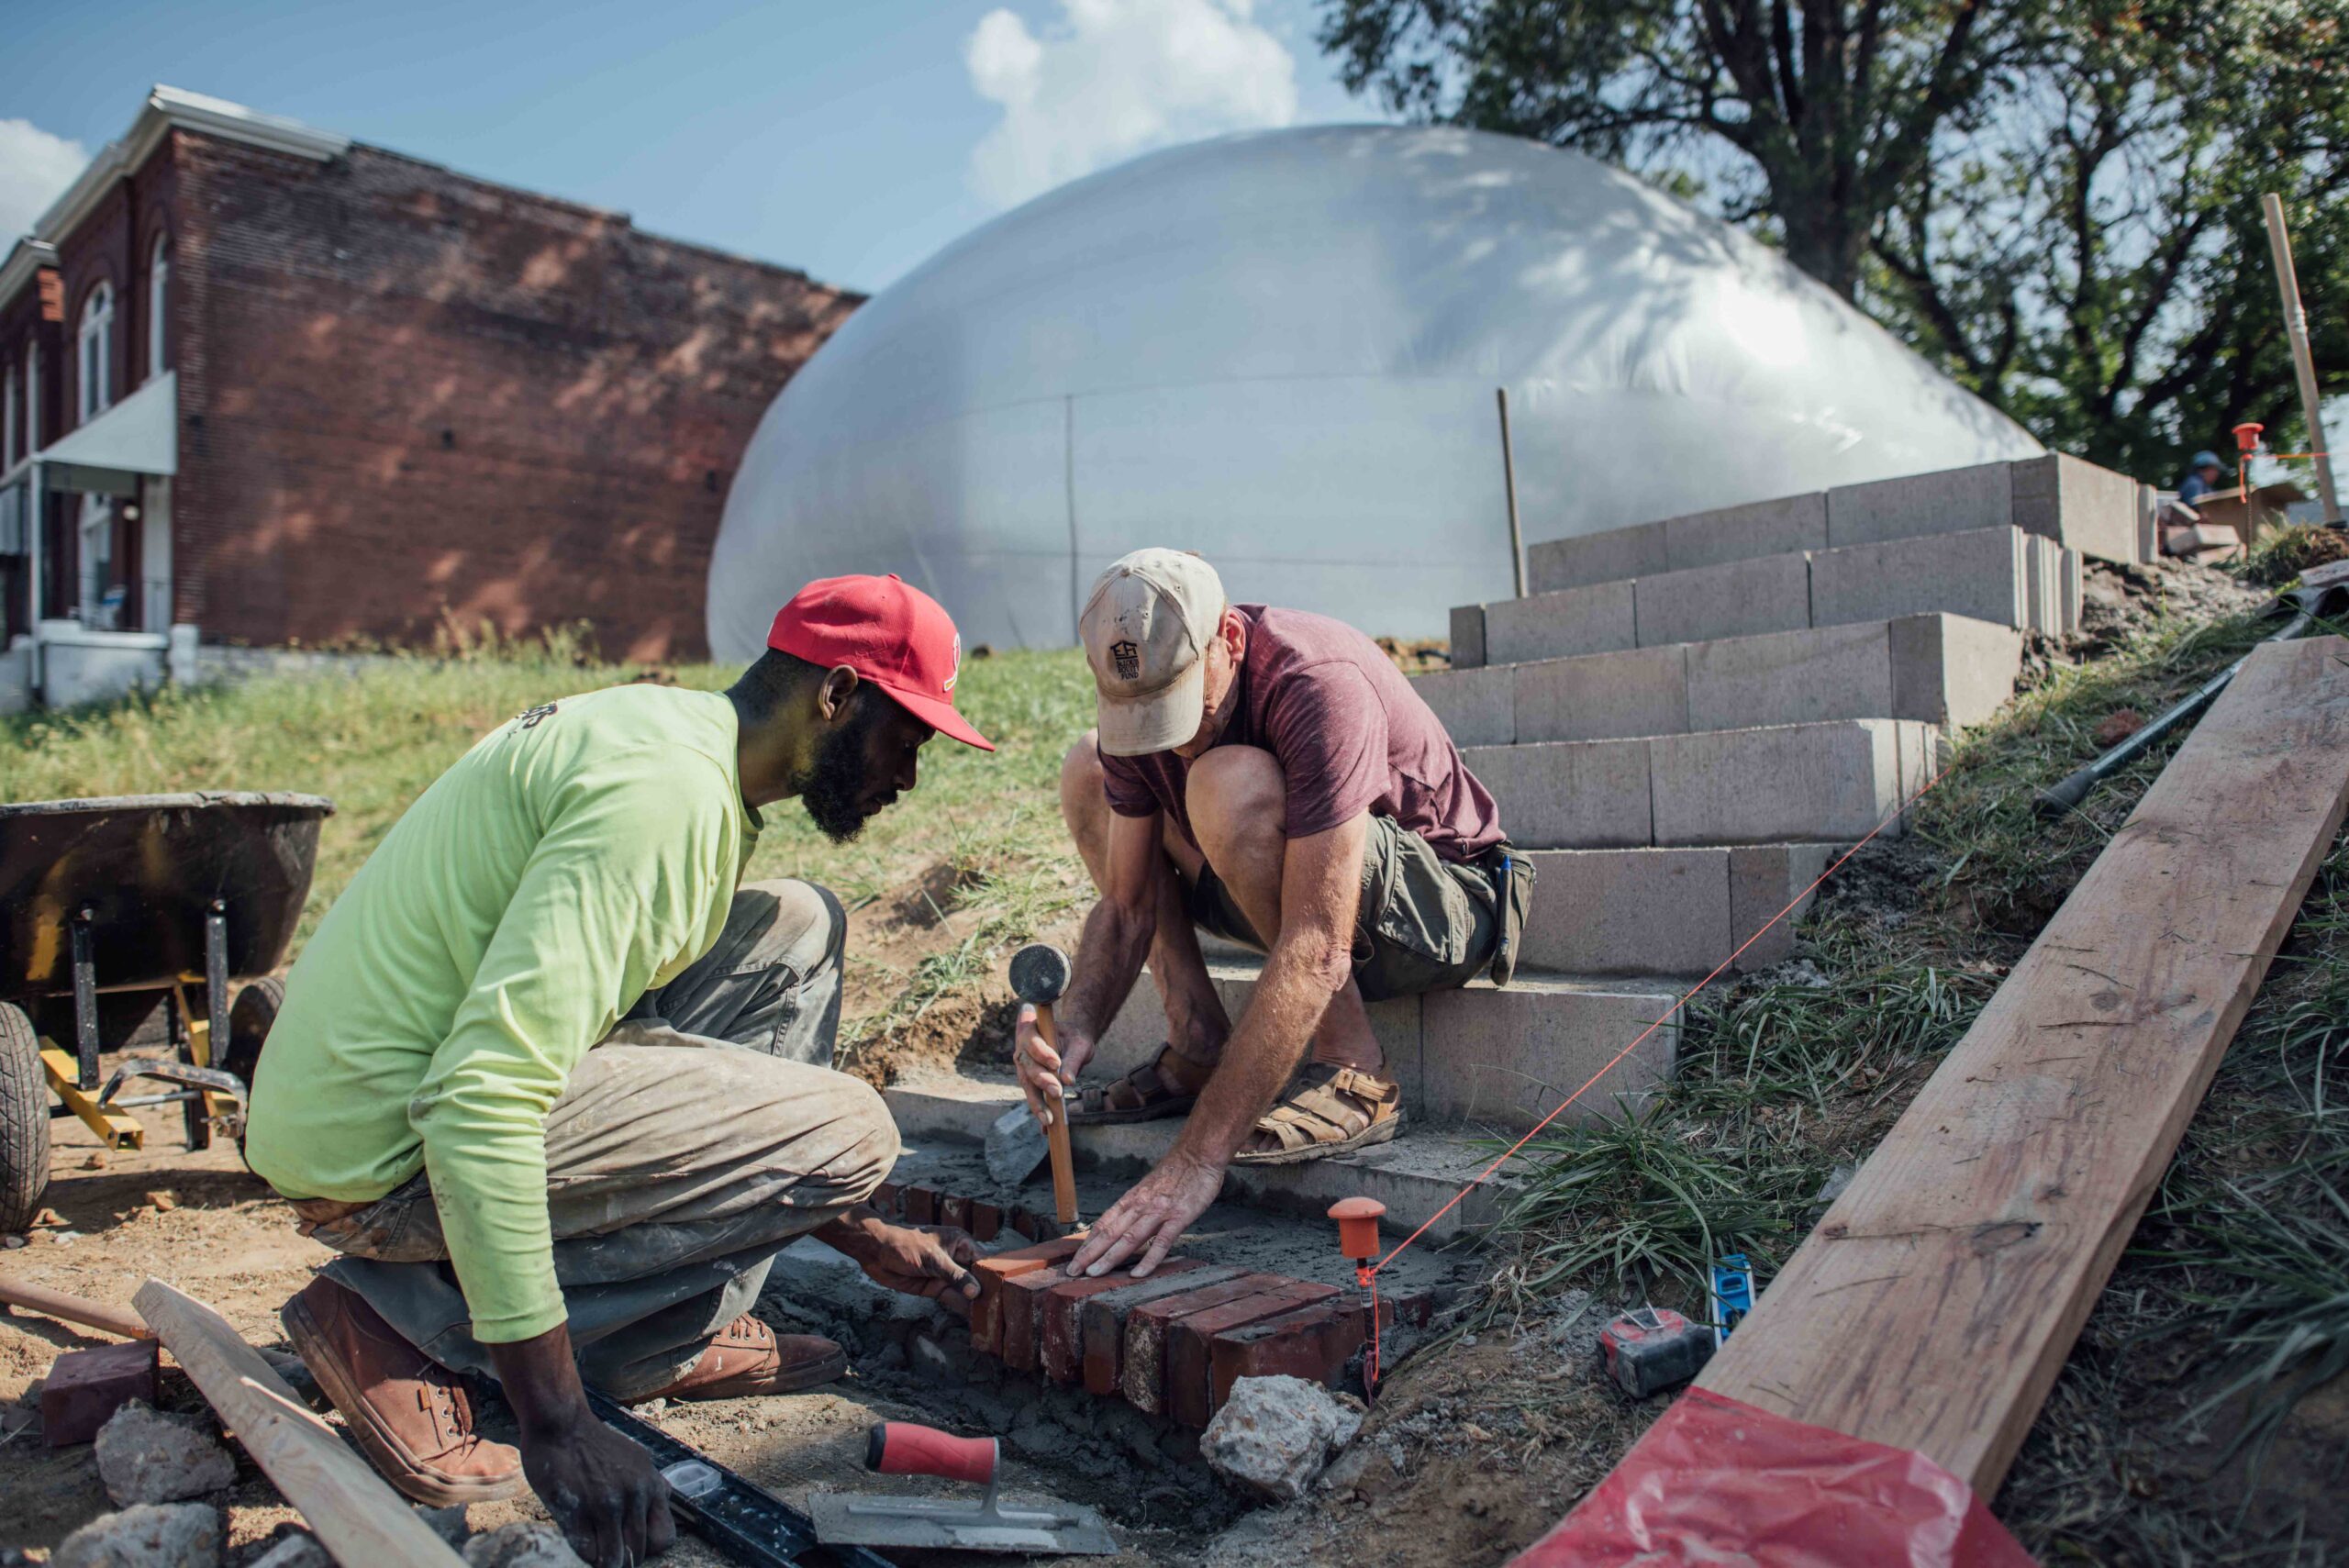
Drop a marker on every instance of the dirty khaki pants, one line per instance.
(690, 1146)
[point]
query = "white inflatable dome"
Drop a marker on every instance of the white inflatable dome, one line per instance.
(1280, 350)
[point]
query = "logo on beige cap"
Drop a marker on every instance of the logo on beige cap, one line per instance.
(1128, 658)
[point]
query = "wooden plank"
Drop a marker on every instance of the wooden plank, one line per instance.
(354, 1511)
(1935, 1304)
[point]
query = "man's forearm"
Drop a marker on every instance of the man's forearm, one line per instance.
(1298, 980)
(1110, 956)
(540, 1381)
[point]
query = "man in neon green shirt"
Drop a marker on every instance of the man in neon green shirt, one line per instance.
(559, 1090)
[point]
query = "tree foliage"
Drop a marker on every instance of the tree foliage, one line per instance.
(2055, 200)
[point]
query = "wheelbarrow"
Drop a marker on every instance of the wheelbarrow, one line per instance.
(108, 906)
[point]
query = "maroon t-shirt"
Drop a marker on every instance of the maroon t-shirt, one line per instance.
(1350, 734)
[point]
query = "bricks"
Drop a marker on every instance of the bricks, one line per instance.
(1474, 706)
(1589, 559)
(1063, 1329)
(987, 1313)
(921, 1205)
(1312, 1342)
(954, 1211)
(1981, 574)
(1189, 1337)
(986, 1221)
(1778, 785)
(1738, 599)
(1629, 911)
(1601, 696)
(1102, 1320)
(1575, 793)
(1467, 636)
(1506, 1058)
(2087, 509)
(1557, 626)
(1776, 526)
(84, 1388)
(1022, 1310)
(1142, 1378)
(1953, 500)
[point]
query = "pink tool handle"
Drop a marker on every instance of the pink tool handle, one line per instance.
(901, 1448)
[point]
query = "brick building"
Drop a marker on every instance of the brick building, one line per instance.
(264, 385)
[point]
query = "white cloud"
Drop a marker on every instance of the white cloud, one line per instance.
(1117, 77)
(35, 169)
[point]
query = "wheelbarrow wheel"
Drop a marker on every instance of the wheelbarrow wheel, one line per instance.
(23, 1121)
(250, 1018)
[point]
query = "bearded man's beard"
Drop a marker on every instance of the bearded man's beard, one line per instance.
(832, 787)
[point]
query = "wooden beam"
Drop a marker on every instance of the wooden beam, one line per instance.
(1935, 1304)
(356, 1512)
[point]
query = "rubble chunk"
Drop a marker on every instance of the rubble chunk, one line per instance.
(1275, 1435)
(146, 1456)
(532, 1543)
(150, 1535)
(296, 1549)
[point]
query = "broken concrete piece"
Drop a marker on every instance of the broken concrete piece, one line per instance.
(1276, 1435)
(448, 1523)
(152, 1535)
(531, 1544)
(146, 1456)
(299, 1549)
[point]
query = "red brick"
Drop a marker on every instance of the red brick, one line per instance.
(1022, 1222)
(1313, 1343)
(1023, 1318)
(987, 1313)
(1142, 1374)
(921, 1207)
(986, 1221)
(86, 1386)
(1103, 1319)
(954, 1211)
(888, 1200)
(1189, 1339)
(1064, 1342)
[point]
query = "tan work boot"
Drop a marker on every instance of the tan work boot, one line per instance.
(747, 1357)
(411, 1415)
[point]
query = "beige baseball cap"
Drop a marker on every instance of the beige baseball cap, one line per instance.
(1145, 630)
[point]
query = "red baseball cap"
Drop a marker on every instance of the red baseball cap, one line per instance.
(893, 635)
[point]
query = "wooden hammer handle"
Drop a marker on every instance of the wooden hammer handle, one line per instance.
(75, 1309)
(1056, 1135)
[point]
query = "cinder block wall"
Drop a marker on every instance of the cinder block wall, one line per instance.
(404, 391)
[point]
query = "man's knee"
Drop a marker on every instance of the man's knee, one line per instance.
(1083, 787)
(1236, 795)
(800, 925)
(872, 1152)
(851, 1124)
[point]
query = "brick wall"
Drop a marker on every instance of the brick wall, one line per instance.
(407, 395)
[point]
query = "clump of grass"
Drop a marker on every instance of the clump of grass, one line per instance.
(2282, 554)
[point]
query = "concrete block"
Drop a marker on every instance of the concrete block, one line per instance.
(2078, 504)
(1477, 708)
(1134, 1035)
(1570, 794)
(85, 1387)
(1780, 526)
(1506, 1058)
(1468, 636)
(1596, 619)
(2039, 594)
(1954, 500)
(1952, 671)
(1983, 574)
(1836, 780)
(1770, 889)
(1629, 911)
(1602, 697)
(2149, 524)
(1791, 677)
(1772, 593)
(2075, 590)
(1609, 557)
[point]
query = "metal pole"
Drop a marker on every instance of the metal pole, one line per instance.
(1509, 479)
(2295, 327)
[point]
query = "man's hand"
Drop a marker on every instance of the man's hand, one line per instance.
(919, 1259)
(602, 1489)
(1045, 1071)
(1150, 1217)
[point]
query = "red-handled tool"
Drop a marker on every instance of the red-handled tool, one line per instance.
(901, 1448)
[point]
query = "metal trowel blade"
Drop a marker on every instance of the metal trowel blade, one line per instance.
(1015, 1147)
(847, 1518)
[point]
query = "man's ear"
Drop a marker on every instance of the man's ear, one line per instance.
(831, 697)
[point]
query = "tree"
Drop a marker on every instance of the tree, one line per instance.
(2055, 200)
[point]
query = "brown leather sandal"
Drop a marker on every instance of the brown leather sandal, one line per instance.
(1328, 1110)
(1145, 1093)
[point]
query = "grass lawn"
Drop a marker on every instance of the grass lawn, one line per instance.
(982, 835)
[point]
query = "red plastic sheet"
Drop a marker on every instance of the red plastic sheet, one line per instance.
(1718, 1483)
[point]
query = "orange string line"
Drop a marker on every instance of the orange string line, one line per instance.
(1510, 1153)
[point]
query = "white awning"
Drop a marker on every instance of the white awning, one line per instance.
(138, 435)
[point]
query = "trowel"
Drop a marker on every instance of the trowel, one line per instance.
(1017, 1142)
(901, 1448)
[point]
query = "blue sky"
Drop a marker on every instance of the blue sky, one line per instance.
(848, 139)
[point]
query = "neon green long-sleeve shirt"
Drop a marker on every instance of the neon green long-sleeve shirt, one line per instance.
(578, 856)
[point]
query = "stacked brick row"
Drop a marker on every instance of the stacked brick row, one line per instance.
(1170, 1345)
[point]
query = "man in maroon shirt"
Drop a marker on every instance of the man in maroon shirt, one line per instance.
(1267, 775)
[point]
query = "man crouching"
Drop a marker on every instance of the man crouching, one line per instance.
(559, 1092)
(1266, 775)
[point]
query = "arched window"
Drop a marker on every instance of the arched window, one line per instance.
(158, 276)
(96, 364)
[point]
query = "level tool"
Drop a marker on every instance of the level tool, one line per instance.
(745, 1521)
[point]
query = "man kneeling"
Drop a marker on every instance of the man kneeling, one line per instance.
(1266, 775)
(559, 1092)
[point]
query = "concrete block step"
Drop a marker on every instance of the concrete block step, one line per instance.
(1785, 782)
(944, 1120)
(1475, 1057)
(2002, 576)
(2073, 504)
(1942, 670)
(1669, 912)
